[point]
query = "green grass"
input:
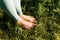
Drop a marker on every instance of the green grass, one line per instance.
(47, 14)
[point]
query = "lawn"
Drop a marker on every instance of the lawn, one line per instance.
(47, 14)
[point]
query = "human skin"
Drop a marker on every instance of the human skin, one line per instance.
(27, 22)
(10, 6)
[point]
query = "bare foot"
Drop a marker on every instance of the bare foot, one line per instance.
(25, 24)
(28, 18)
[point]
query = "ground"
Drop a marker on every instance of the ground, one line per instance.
(47, 14)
